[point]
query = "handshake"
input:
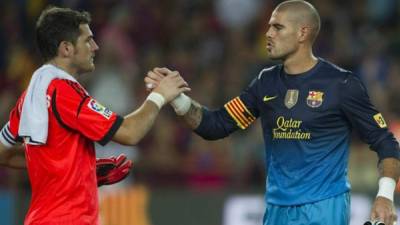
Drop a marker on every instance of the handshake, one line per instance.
(168, 86)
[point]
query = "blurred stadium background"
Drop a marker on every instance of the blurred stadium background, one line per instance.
(218, 46)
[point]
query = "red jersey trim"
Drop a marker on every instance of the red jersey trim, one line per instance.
(112, 131)
(56, 113)
(81, 104)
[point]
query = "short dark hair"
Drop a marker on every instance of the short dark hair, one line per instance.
(56, 25)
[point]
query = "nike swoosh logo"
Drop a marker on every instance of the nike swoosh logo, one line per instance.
(268, 98)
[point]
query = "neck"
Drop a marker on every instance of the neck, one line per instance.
(300, 62)
(61, 64)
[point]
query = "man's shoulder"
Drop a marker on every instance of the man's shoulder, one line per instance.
(64, 86)
(333, 72)
(346, 79)
(269, 71)
(19, 103)
(331, 67)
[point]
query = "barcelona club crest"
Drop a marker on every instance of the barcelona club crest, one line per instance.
(315, 99)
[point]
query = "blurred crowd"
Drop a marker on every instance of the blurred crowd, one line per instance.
(218, 46)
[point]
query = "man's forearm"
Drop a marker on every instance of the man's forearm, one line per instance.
(13, 158)
(194, 116)
(16, 162)
(137, 124)
(389, 167)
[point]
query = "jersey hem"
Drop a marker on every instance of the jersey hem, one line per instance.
(308, 202)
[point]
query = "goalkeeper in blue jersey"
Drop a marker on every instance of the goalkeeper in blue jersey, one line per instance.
(307, 107)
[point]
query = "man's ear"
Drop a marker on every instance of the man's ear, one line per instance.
(65, 49)
(304, 34)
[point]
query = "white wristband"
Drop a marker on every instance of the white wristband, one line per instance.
(387, 186)
(181, 104)
(157, 98)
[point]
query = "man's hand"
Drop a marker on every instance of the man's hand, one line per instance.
(153, 79)
(155, 76)
(171, 86)
(384, 210)
(168, 83)
(112, 170)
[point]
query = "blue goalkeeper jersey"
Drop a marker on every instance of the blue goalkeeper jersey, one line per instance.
(307, 121)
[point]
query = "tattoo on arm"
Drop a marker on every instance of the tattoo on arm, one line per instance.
(389, 167)
(194, 115)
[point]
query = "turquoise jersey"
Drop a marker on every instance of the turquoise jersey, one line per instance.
(307, 121)
(331, 211)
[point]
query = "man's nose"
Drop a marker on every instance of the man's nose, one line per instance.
(268, 34)
(95, 46)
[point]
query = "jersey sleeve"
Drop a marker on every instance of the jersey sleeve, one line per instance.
(9, 133)
(238, 113)
(364, 117)
(76, 110)
(7, 138)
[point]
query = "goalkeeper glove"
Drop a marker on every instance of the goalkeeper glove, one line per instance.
(112, 170)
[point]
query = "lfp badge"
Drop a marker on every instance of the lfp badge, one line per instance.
(99, 108)
(315, 99)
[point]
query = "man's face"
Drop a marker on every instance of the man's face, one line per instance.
(281, 36)
(84, 51)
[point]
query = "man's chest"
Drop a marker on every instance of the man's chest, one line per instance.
(302, 107)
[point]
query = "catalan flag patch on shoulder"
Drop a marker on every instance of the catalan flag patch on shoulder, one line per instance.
(239, 112)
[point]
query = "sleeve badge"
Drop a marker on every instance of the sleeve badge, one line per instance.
(97, 107)
(379, 120)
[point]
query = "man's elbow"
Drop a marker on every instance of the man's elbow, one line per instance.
(128, 140)
(126, 137)
(133, 141)
(209, 136)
